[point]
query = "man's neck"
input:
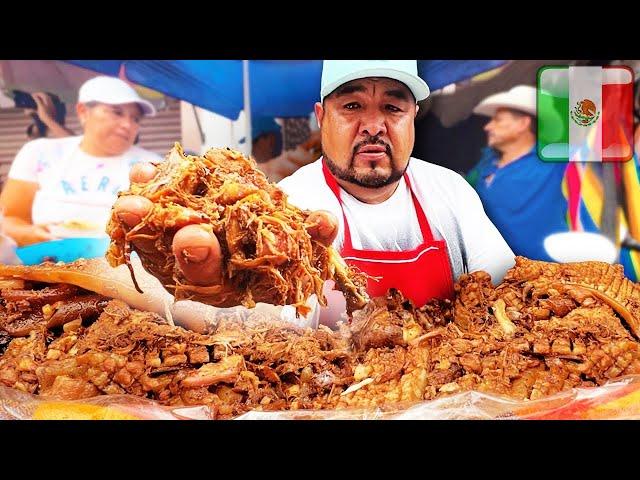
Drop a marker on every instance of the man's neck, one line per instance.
(510, 153)
(369, 195)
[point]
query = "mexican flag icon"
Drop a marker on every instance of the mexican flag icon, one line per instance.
(585, 114)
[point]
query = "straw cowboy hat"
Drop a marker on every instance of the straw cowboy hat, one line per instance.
(521, 98)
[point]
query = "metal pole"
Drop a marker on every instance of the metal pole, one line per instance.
(195, 115)
(247, 107)
(609, 221)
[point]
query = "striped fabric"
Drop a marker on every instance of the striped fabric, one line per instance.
(583, 189)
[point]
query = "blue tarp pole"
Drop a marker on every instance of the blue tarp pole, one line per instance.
(247, 107)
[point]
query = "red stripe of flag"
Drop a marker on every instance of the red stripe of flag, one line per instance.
(617, 99)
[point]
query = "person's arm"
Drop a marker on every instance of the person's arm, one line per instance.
(486, 249)
(277, 168)
(16, 201)
(287, 163)
(47, 113)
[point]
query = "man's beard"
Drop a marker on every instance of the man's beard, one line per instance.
(370, 179)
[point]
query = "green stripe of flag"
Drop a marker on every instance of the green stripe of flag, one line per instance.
(553, 113)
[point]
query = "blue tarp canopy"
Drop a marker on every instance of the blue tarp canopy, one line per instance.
(278, 88)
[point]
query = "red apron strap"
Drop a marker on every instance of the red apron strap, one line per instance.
(429, 261)
(427, 234)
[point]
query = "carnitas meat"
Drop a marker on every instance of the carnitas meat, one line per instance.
(30, 315)
(268, 256)
(24, 309)
(248, 362)
(546, 328)
(582, 280)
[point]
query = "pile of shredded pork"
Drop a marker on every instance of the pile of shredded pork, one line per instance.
(268, 256)
(546, 328)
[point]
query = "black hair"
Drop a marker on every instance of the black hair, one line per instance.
(31, 130)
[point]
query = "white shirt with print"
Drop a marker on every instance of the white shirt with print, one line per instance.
(73, 185)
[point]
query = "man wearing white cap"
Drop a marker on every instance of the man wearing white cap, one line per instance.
(520, 193)
(414, 225)
(75, 180)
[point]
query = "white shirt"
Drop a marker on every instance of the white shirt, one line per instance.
(73, 185)
(367, 221)
(451, 205)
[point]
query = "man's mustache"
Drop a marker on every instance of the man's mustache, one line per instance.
(372, 141)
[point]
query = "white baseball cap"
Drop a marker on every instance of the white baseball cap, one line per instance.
(521, 98)
(339, 72)
(113, 91)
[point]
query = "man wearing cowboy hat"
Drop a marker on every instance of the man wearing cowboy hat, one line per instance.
(520, 193)
(413, 225)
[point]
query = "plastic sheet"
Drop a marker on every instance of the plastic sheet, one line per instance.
(17, 405)
(619, 399)
(96, 275)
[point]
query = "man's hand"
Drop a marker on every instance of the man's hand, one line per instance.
(197, 249)
(46, 109)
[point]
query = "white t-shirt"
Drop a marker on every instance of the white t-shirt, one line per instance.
(451, 205)
(368, 221)
(73, 185)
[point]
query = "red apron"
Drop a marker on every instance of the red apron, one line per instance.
(420, 274)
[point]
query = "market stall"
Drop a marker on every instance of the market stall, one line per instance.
(143, 334)
(80, 341)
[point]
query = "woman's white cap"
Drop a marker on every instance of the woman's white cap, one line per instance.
(113, 91)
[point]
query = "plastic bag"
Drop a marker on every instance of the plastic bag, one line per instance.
(17, 405)
(619, 399)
